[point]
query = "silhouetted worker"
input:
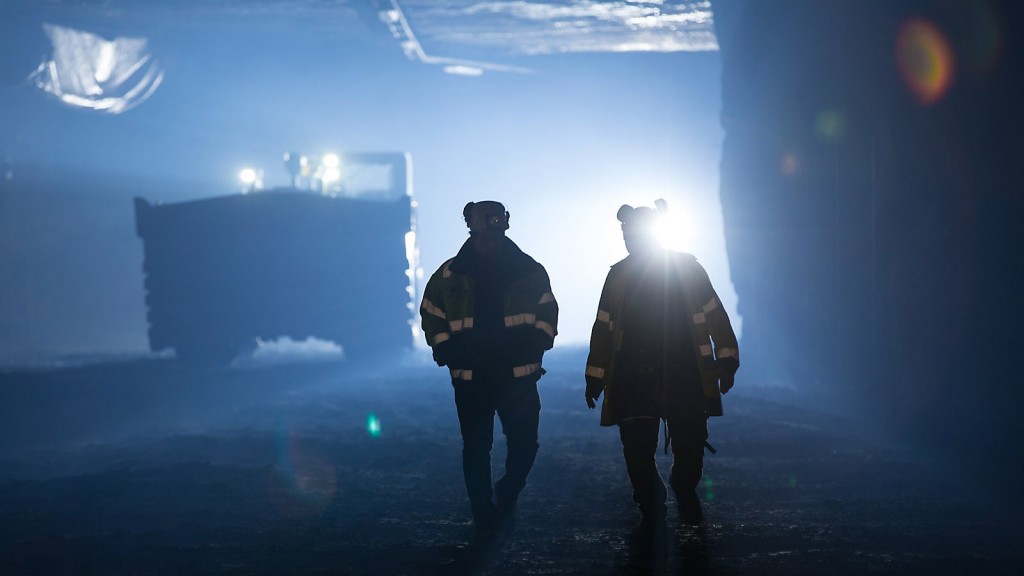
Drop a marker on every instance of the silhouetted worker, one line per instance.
(651, 354)
(489, 315)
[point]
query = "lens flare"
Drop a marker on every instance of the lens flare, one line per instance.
(373, 425)
(709, 493)
(830, 125)
(306, 481)
(789, 164)
(925, 60)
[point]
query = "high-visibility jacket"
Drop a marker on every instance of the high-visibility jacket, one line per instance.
(529, 308)
(711, 331)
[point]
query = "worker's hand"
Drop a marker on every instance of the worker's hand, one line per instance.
(726, 382)
(594, 388)
(442, 353)
(727, 368)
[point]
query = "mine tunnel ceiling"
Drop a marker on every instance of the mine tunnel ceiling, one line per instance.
(430, 29)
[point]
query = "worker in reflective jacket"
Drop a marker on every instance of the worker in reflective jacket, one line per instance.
(489, 315)
(662, 349)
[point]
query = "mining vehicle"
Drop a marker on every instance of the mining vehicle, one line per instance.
(322, 259)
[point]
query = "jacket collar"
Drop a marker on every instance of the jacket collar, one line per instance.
(512, 260)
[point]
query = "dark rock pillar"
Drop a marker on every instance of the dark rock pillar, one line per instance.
(873, 198)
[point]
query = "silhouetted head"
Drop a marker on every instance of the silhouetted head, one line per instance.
(639, 226)
(487, 222)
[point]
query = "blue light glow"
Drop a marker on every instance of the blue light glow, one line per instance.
(563, 146)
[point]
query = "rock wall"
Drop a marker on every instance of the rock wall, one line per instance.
(872, 195)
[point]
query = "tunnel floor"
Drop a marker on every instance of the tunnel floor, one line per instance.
(146, 468)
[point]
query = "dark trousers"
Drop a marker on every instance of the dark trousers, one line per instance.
(517, 404)
(640, 444)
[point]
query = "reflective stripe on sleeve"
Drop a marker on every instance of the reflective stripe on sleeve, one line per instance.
(461, 324)
(728, 353)
(520, 319)
(603, 316)
(547, 328)
(525, 370)
(460, 374)
(546, 298)
(595, 371)
(433, 310)
(699, 318)
(711, 305)
(705, 349)
(442, 337)
(445, 272)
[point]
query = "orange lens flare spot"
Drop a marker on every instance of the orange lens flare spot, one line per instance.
(789, 164)
(925, 60)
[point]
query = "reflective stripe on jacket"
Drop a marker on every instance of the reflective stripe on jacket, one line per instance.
(711, 330)
(529, 308)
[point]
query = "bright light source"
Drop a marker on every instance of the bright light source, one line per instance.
(678, 228)
(328, 174)
(331, 175)
(252, 179)
(247, 176)
(669, 234)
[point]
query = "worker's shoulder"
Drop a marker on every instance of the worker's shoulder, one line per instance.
(443, 271)
(521, 262)
(620, 265)
(671, 256)
(534, 271)
(688, 265)
(684, 258)
(532, 263)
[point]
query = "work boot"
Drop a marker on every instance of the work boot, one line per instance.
(507, 520)
(507, 511)
(506, 494)
(652, 522)
(485, 518)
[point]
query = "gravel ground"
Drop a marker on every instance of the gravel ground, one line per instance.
(146, 468)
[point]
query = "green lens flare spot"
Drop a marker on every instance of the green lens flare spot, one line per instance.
(830, 125)
(709, 494)
(373, 425)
